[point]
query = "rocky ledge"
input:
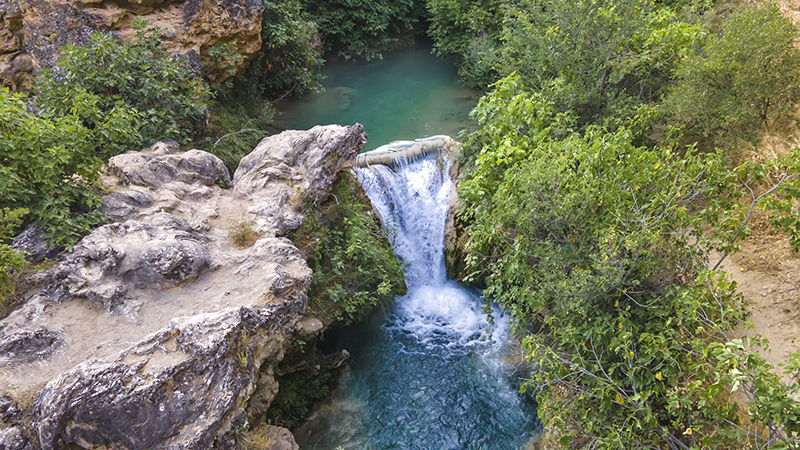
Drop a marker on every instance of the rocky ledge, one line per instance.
(157, 331)
(32, 31)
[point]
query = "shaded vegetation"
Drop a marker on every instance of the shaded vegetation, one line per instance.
(366, 28)
(355, 270)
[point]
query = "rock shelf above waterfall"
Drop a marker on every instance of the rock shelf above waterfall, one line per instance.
(405, 150)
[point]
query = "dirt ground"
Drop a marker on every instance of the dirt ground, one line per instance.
(767, 273)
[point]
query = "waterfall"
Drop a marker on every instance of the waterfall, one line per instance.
(431, 373)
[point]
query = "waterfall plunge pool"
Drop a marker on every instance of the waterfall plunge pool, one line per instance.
(431, 373)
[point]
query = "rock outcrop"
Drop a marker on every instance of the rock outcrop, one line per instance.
(157, 331)
(32, 31)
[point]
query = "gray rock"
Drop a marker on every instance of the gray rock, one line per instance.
(163, 163)
(33, 244)
(111, 259)
(13, 439)
(291, 165)
(182, 387)
(121, 206)
(24, 345)
(158, 331)
(270, 437)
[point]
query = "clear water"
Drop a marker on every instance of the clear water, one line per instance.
(431, 373)
(408, 94)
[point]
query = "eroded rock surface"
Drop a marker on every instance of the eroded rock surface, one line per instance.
(32, 31)
(157, 331)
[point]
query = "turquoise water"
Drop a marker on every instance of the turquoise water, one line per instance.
(431, 373)
(409, 94)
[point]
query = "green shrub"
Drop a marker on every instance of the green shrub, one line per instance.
(10, 259)
(49, 164)
(290, 57)
(471, 31)
(745, 80)
(595, 247)
(168, 98)
(365, 28)
(355, 269)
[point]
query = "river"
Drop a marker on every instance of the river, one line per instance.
(431, 373)
(408, 94)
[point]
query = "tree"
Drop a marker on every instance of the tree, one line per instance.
(599, 59)
(595, 247)
(745, 80)
(169, 99)
(365, 28)
(290, 56)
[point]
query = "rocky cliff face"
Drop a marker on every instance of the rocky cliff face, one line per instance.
(157, 331)
(31, 31)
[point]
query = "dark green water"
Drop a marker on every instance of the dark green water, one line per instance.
(409, 94)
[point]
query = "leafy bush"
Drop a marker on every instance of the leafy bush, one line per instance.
(355, 269)
(49, 164)
(290, 58)
(10, 259)
(745, 80)
(470, 30)
(365, 28)
(594, 246)
(168, 98)
(598, 59)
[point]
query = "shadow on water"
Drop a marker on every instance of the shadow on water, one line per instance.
(408, 94)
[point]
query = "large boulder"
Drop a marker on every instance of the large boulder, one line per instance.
(32, 31)
(157, 331)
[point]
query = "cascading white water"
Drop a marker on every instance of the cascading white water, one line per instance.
(430, 373)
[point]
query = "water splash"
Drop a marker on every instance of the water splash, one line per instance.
(431, 373)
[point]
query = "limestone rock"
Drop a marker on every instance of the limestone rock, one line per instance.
(156, 331)
(164, 163)
(34, 245)
(291, 163)
(13, 439)
(182, 387)
(104, 264)
(27, 345)
(269, 437)
(32, 31)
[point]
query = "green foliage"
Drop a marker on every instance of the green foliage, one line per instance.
(470, 30)
(355, 269)
(299, 391)
(290, 58)
(10, 259)
(599, 59)
(167, 99)
(49, 164)
(595, 247)
(225, 56)
(239, 121)
(365, 28)
(745, 80)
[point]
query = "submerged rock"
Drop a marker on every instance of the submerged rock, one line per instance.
(157, 331)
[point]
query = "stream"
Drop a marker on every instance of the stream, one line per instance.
(408, 94)
(431, 373)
